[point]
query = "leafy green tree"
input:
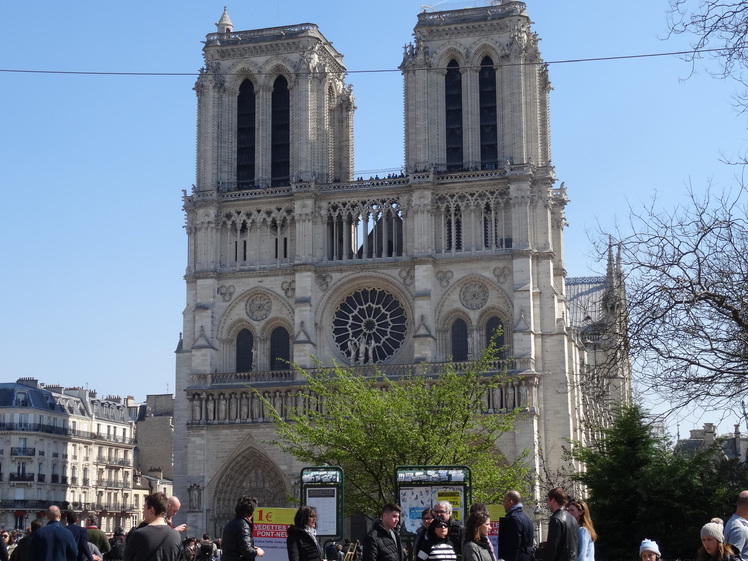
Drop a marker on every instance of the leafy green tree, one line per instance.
(640, 488)
(370, 425)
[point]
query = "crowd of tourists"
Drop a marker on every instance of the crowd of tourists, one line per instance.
(571, 536)
(155, 539)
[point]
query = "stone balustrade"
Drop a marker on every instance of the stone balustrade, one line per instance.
(224, 398)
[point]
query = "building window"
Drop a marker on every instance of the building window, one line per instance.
(280, 349)
(245, 136)
(459, 341)
(495, 332)
(489, 147)
(369, 326)
(453, 116)
(244, 351)
(453, 225)
(280, 134)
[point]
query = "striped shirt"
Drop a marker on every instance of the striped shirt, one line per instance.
(439, 552)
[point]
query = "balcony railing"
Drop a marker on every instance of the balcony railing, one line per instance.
(111, 507)
(114, 461)
(66, 431)
(41, 477)
(393, 371)
(28, 504)
(25, 477)
(55, 478)
(22, 451)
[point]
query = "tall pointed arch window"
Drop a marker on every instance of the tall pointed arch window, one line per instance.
(280, 134)
(459, 341)
(453, 227)
(246, 114)
(280, 349)
(495, 332)
(453, 115)
(489, 147)
(244, 351)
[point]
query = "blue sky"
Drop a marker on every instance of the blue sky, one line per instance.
(92, 167)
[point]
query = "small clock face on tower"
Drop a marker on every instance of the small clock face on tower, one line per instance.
(369, 326)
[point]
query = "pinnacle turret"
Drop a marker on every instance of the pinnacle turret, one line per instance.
(224, 24)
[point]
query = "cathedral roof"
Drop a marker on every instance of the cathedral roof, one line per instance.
(585, 298)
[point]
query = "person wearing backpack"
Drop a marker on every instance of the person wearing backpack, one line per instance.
(117, 544)
(206, 550)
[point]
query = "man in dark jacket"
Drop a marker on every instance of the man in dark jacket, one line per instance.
(236, 543)
(80, 534)
(21, 552)
(563, 531)
(516, 536)
(382, 543)
(52, 542)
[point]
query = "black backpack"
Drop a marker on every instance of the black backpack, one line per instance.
(206, 551)
(117, 551)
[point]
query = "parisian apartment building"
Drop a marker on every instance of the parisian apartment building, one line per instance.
(67, 446)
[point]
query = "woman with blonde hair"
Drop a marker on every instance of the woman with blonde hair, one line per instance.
(587, 534)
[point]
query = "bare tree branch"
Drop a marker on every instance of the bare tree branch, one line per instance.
(687, 299)
(716, 24)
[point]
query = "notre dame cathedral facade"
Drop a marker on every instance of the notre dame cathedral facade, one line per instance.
(292, 259)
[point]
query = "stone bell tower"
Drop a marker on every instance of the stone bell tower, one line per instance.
(272, 108)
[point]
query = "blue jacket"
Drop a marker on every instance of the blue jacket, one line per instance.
(52, 543)
(81, 540)
(516, 536)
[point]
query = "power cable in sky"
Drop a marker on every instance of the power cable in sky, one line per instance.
(568, 61)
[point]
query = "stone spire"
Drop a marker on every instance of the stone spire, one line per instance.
(224, 24)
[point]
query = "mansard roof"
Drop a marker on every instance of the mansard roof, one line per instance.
(21, 395)
(27, 393)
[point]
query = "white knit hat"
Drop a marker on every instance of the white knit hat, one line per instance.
(714, 529)
(649, 545)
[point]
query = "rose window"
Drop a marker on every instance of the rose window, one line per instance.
(369, 326)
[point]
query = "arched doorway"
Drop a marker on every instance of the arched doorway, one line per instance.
(250, 473)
